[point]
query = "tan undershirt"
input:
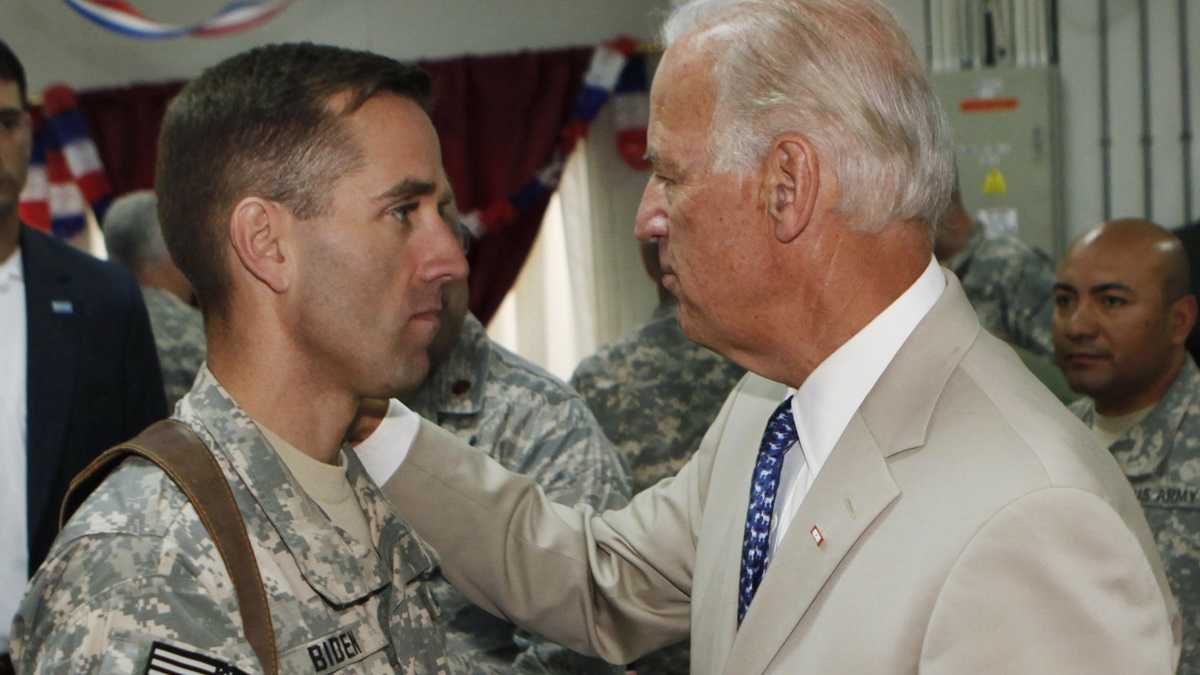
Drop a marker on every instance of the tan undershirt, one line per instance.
(1109, 429)
(327, 484)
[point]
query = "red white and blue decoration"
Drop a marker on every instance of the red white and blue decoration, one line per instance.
(615, 68)
(122, 17)
(65, 174)
(631, 108)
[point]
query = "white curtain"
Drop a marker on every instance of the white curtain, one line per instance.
(583, 285)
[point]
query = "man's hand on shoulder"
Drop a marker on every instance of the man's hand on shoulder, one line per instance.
(382, 434)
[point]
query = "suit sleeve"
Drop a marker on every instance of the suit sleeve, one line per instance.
(145, 399)
(573, 463)
(1046, 587)
(615, 584)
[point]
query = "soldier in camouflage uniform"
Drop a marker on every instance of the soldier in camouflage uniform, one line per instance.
(655, 393)
(135, 566)
(533, 424)
(179, 338)
(1123, 313)
(1008, 282)
(134, 239)
(298, 185)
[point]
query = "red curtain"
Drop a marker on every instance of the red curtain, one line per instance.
(124, 123)
(498, 117)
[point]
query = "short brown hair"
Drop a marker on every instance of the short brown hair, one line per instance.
(11, 70)
(260, 124)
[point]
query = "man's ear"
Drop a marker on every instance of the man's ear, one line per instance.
(259, 230)
(791, 181)
(1183, 318)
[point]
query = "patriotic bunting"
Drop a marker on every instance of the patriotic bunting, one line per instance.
(631, 108)
(614, 68)
(122, 17)
(65, 173)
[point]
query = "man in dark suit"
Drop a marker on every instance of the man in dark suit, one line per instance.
(78, 370)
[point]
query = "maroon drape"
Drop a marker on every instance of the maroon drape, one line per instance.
(498, 118)
(124, 122)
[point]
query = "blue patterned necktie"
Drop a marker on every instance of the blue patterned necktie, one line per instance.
(780, 435)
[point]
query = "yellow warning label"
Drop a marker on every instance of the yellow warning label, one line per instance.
(994, 183)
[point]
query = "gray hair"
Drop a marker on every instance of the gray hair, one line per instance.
(844, 74)
(131, 231)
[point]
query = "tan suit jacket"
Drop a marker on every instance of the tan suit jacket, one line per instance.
(970, 525)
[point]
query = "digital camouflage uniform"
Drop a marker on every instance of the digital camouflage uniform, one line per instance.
(179, 338)
(1011, 286)
(1161, 457)
(535, 425)
(655, 393)
(135, 566)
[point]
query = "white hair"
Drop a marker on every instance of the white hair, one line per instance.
(842, 73)
(131, 231)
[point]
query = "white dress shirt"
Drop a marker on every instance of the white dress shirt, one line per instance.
(14, 562)
(822, 407)
(834, 391)
(384, 450)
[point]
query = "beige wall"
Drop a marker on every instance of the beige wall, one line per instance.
(56, 44)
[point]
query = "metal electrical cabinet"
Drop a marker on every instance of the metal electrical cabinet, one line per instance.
(1006, 126)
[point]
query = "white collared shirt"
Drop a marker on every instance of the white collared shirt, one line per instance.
(14, 562)
(834, 391)
(822, 407)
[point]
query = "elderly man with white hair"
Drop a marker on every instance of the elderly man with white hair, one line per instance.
(888, 490)
(134, 239)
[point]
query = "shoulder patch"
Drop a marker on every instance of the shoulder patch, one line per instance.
(164, 658)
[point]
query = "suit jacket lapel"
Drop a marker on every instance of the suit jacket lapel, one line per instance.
(714, 595)
(853, 488)
(52, 344)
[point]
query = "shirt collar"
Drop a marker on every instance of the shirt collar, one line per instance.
(828, 399)
(11, 271)
(347, 576)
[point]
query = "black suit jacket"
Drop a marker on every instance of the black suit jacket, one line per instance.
(92, 372)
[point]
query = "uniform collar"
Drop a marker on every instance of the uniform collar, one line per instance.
(336, 566)
(1142, 449)
(456, 387)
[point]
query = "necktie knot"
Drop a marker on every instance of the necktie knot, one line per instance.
(781, 431)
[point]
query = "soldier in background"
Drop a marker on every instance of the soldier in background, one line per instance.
(1010, 284)
(1122, 315)
(533, 424)
(302, 193)
(655, 393)
(134, 240)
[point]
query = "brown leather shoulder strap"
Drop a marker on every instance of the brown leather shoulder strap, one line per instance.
(184, 458)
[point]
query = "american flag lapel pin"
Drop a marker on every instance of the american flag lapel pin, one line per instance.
(817, 535)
